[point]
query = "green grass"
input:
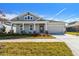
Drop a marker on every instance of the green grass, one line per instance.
(73, 33)
(34, 49)
(28, 36)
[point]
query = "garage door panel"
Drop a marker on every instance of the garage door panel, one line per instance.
(55, 28)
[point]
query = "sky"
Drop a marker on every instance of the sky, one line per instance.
(51, 11)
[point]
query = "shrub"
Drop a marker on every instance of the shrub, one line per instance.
(34, 32)
(46, 32)
(2, 30)
(23, 32)
(11, 32)
(30, 32)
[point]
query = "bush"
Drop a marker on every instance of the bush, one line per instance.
(46, 32)
(11, 32)
(34, 32)
(23, 32)
(30, 32)
(2, 30)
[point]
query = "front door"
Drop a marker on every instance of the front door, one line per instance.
(41, 28)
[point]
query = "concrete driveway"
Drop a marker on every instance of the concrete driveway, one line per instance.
(71, 40)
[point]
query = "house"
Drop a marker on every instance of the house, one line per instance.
(73, 26)
(4, 23)
(3, 20)
(31, 23)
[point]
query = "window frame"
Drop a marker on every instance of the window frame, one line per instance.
(31, 27)
(28, 17)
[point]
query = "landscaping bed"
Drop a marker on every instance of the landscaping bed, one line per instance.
(34, 49)
(28, 36)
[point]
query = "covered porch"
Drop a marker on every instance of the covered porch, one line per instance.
(30, 28)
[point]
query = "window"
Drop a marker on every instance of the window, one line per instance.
(25, 17)
(28, 17)
(31, 17)
(31, 27)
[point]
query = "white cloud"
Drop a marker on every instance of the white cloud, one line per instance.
(10, 16)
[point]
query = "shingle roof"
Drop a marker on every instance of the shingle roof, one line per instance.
(30, 13)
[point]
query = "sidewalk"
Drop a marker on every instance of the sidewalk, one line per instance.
(30, 40)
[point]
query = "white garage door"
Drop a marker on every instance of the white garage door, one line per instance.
(56, 28)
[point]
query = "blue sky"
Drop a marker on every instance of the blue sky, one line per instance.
(55, 11)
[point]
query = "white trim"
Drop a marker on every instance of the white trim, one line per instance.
(27, 21)
(34, 27)
(11, 26)
(23, 26)
(46, 26)
(29, 17)
(30, 27)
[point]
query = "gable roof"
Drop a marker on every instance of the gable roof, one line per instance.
(74, 23)
(28, 13)
(38, 18)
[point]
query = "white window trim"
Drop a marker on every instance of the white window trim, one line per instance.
(27, 17)
(31, 27)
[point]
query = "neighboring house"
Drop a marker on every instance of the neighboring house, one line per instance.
(8, 27)
(3, 20)
(4, 23)
(30, 23)
(73, 26)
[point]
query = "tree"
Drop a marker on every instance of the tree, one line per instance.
(3, 29)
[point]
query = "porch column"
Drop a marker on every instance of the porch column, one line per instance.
(23, 26)
(46, 29)
(11, 31)
(11, 26)
(46, 26)
(34, 32)
(34, 27)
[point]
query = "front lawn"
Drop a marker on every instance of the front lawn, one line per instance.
(34, 49)
(27, 36)
(73, 33)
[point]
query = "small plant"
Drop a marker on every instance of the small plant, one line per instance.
(30, 32)
(2, 30)
(11, 32)
(46, 32)
(23, 32)
(34, 32)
